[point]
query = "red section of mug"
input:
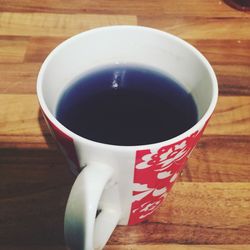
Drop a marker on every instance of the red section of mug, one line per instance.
(155, 173)
(67, 145)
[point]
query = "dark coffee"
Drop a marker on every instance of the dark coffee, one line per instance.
(126, 105)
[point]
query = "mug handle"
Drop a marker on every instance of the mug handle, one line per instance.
(84, 228)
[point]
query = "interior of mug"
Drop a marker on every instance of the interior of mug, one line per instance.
(127, 44)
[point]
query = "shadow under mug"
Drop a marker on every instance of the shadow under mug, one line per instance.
(125, 183)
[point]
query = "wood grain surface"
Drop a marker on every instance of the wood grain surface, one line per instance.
(209, 206)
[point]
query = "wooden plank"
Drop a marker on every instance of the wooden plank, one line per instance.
(44, 24)
(231, 85)
(193, 213)
(176, 247)
(200, 28)
(12, 49)
(236, 70)
(22, 125)
(20, 114)
(215, 52)
(232, 117)
(233, 79)
(192, 216)
(76, 6)
(14, 247)
(213, 197)
(19, 77)
(198, 8)
(40, 47)
(212, 161)
(38, 169)
(140, 247)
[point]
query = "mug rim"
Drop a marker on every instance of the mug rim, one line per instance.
(77, 138)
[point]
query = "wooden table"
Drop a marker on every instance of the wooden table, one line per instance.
(209, 206)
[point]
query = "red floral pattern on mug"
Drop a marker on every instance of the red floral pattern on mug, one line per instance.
(155, 173)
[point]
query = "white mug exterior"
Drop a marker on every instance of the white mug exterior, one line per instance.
(122, 164)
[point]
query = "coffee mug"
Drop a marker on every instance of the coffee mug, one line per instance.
(121, 184)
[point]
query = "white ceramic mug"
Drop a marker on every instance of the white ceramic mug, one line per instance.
(126, 183)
